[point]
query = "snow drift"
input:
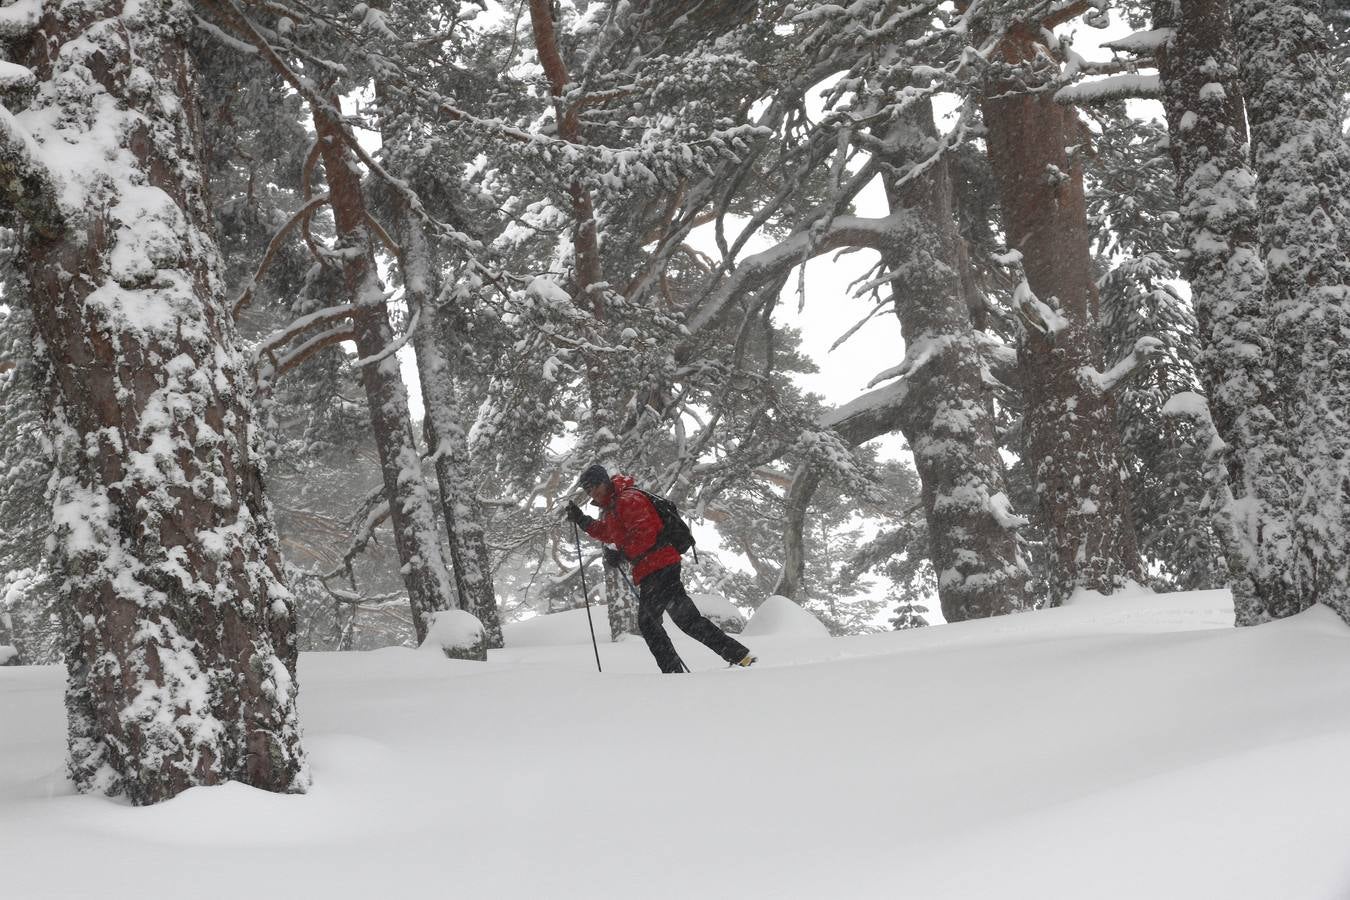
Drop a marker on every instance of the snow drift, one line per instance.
(1115, 748)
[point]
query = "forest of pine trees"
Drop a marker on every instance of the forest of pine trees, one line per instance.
(312, 312)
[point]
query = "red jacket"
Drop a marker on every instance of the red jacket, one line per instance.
(630, 522)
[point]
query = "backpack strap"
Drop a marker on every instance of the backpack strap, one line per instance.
(660, 537)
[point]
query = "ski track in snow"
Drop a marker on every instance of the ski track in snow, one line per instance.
(1114, 748)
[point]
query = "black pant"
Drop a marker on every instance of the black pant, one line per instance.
(663, 592)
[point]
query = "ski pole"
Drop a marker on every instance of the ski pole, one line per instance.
(632, 587)
(586, 595)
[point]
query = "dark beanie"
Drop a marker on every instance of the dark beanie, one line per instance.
(594, 475)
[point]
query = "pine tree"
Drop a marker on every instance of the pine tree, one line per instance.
(28, 589)
(438, 295)
(947, 415)
(909, 614)
(364, 317)
(1071, 440)
(1294, 92)
(1137, 236)
(1249, 483)
(311, 407)
(179, 642)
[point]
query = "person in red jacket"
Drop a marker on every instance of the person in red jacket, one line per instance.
(630, 522)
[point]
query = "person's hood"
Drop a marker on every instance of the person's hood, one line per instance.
(621, 483)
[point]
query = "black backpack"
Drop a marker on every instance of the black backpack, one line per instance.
(674, 530)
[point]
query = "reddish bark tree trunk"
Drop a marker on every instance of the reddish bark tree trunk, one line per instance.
(180, 645)
(589, 276)
(412, 516)
(1071, 439)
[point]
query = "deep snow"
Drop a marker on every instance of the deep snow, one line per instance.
(1129, 747)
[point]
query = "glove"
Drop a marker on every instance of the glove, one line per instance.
(576, 516)
(613, 557)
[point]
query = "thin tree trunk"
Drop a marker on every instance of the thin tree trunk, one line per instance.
(946, 417)
(446, 439)
(412, 515)
(180, 645)
(1293, 88)
(589, 274)
(1072, 442)
(797, 503)
(1217, 194)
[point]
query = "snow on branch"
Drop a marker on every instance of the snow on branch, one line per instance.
(14, 77)
(25, 183)
(1000, 507)
(228, 40)
(352, 598)
(313, 345)
(1142, 41)
(917, 354)
(758, 269)
(871, 415)
(871, 314)
(1037, 314)
(1059, 13)
(325, 316)
(1113, 87)
(1103, 382)
(19, 19)
(1193, 406)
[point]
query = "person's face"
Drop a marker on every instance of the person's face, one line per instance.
(600, 493)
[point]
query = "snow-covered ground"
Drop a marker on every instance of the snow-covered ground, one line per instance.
(1124, 748)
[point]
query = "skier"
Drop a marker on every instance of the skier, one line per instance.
(630, 521)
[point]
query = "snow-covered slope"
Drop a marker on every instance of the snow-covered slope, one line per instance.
(1116, 748)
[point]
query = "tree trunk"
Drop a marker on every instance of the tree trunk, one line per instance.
(180, 645)
(946, 417)
(412, 515)
(588, 271)
(1071, 438)
(1216, 187)
(446, 439)
(797, 502)
(1293, 88)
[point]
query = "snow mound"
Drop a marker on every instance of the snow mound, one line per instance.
(457, 633)
(8, 652)
(14, 76)
(780, 617)
(557, 629)
(721, 611)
